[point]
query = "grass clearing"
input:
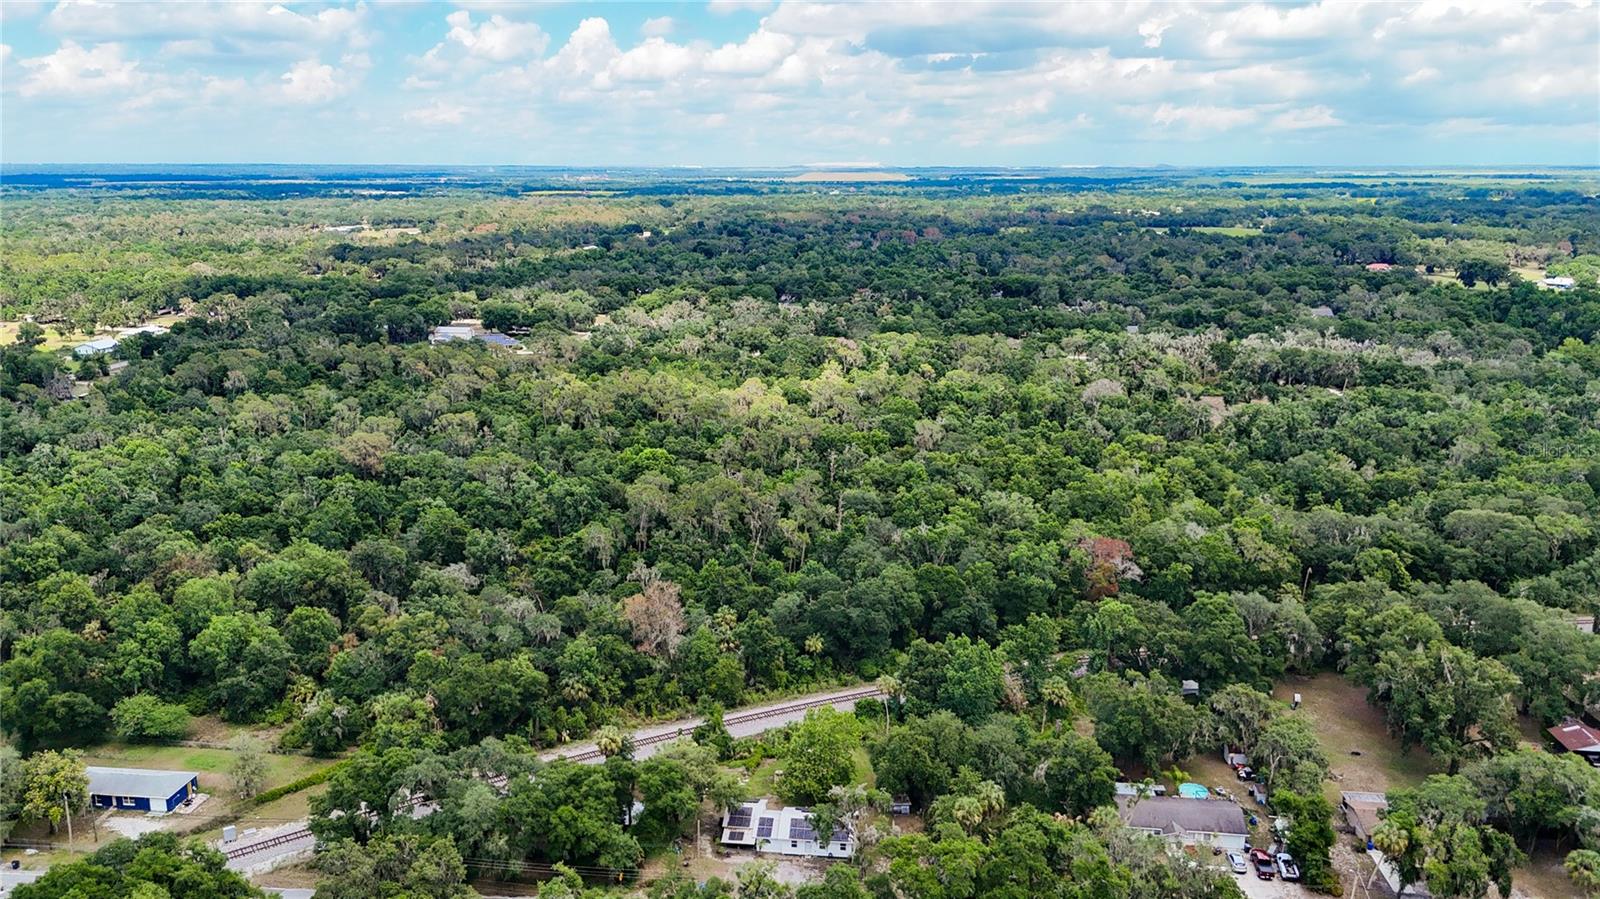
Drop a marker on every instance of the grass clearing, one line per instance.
(1346, 724)
(211, 764)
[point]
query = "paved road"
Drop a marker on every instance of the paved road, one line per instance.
(10, 878)
(743, 722)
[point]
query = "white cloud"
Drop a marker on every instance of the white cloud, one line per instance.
(311, 82)
(1302, 119)
(73, 70)
(587, 52)
(724, 7)
(756, 55)
(1201, 117)
(660, 26)
(244, 23)
(496, 39)
(653, 60)
(1424, 74)
(437, 114)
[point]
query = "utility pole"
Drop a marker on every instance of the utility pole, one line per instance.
(65, 804)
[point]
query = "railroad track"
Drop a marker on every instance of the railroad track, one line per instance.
(282, 839)
(498, 781)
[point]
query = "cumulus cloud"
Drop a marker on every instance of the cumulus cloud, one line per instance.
(497, 39)
(77, 71)
(815, 77)
(312, 82)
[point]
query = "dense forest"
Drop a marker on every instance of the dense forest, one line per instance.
(1028, 460)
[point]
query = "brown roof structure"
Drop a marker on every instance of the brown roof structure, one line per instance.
(1361, 810)
(1576, 736)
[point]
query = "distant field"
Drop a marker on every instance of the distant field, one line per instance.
(1226, 230)
(852, 176)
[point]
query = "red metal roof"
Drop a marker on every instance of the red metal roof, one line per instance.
(1576, 736)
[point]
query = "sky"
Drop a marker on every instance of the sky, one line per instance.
(735, 83)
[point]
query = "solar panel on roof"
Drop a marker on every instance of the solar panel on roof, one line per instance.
(740, 817)
(800, 829)
(764, 828)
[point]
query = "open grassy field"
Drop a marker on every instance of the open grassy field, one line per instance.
(53, 339)
(1362, 753)
(211, 764)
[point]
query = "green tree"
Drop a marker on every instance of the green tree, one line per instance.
(1447, 700)
(146, 718)
(1433, 835)
(818, 755)
(248, 767)
(55, 785)
(1080, 776)
(1311, 836)
(154, 866)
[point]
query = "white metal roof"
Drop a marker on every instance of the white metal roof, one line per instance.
(148, 782)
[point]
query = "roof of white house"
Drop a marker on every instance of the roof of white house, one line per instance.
(1174, 815)
(1560, 281)
(754, 822)
(97, 345)
(156, 330)
(137, 781)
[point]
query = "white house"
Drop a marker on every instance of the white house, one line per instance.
(96, 347)
(782, 830)
(1560, 282)
(1187, 822)
(447, 333)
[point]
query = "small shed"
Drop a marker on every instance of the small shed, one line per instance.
(140, 789)
(1362, 811)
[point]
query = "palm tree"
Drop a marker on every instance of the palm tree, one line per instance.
(1057, 694)
(891, 688)
(967, 812)
(814, 644)
(610, 740)
(991, 798)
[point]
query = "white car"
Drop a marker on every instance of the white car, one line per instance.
(1238, 863)
(1287, 869)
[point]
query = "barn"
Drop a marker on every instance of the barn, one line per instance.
(140, 789)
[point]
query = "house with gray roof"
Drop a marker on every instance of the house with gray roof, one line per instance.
(1188, 822)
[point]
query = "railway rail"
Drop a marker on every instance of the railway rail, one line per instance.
(592, 755)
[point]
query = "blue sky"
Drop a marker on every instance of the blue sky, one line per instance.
(786, 83)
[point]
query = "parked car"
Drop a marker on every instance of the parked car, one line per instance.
(1245, 772)
(1265, 868)
(1287, 869)
(1238, 863)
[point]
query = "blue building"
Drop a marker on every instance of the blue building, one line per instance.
(141, 789)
